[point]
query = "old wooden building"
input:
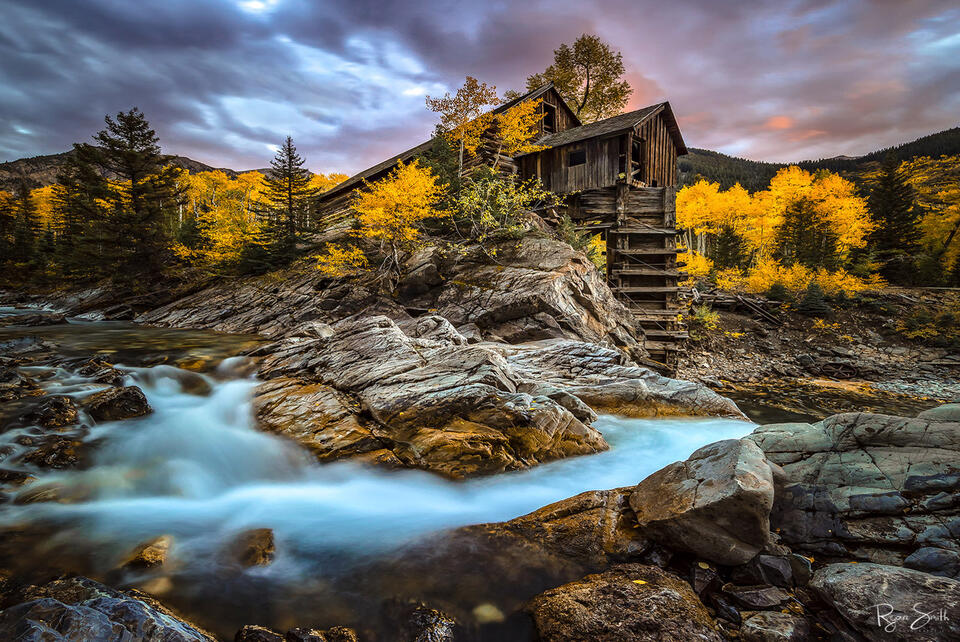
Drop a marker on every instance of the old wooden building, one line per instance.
(619, 177)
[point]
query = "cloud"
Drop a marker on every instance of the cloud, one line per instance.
(224, 81)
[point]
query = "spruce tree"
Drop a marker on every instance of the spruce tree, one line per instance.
(805, 237)
(26, 228)
(78, 202)
(125, 218)
(892, 208)
(814, 303)
(896, 236)
(729, 249)
(7, 223)
(288, 194)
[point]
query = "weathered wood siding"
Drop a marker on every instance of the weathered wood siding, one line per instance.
(564, 116)
(659, 153)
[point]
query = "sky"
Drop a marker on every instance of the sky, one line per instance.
(224, 81)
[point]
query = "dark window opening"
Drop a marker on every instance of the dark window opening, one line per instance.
(576, 158)
(549, 119)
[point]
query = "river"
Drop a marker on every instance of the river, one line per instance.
(198, 469)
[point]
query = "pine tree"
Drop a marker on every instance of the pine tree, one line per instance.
(814, 303)
(26, 228)
(7, 223)
(805, 237)
(893, 210)
(116, 227)
(288, 192)
(729, 249)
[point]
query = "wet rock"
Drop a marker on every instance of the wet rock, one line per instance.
(53, 412)
(452, 409)
(255, 633)
(16, 385)
(115, 404)
(755, 598)
(626, 602)
(254, 547)
(862, 593)
(51, 451)
(150, 554)
(775, 627)
(418, 622)
(936, 561)
(866, 486)
(725, 609)
(34, 319)
(81, 609)
(101, 371)
(716, 504)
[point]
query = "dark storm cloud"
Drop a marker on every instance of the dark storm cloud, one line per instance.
(223, 81)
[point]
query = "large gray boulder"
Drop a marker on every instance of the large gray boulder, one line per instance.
(715, 504)
(626, 602)
(434, 401)
(872, 487)
(79, 609)
(454, 409)
(889, 603)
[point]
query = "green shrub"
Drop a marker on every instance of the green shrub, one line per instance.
(814, 302)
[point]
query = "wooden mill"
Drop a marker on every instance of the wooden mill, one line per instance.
(619, 178)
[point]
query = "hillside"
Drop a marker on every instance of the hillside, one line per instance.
(756, 175)
(40, 171)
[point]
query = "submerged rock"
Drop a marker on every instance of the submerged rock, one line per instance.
(115, 404)
(715, 504)
(150, 554)
(58, 411)
(78, 609)
(255, 633)
(626, 602)
(889, 603)
(867, 486)
(254, 547)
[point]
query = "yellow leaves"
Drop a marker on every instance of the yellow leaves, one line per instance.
(704, 209)
(518, 126)
(391, 209)
(43, 198)
(761, 277)
(641, 582)
(462, 116)
(339, 261)
(323, 182)
(697, 264)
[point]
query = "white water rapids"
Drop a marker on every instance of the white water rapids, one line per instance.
(197, 468)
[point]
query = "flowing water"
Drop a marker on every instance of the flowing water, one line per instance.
(198, 469)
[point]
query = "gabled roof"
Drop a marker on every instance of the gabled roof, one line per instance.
(617, 124)
(357, 179)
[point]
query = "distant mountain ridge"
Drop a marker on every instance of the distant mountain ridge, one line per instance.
(714, 166)
(756, 175)
(39, 171)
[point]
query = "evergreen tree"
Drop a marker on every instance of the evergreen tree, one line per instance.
(814, 303)
(729, 249)
(7, 223)
(805, 237)
(78, 209)
(896, 236)
(26, 228)
(117, 227)
(288, 194)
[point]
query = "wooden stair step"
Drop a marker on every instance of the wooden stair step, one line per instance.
(653, 289)
(636, 251)
(647, 271)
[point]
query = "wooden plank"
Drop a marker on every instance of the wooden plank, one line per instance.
(652, 289)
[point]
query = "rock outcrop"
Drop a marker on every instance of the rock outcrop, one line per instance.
(889, 603)
(626, 602)
(715, 504)
(866, 486)
(114, 404)
(453, 409)
(81, 609)
(437, 402)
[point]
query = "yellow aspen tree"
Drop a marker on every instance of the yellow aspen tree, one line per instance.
(517, 127)
(464, 116)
